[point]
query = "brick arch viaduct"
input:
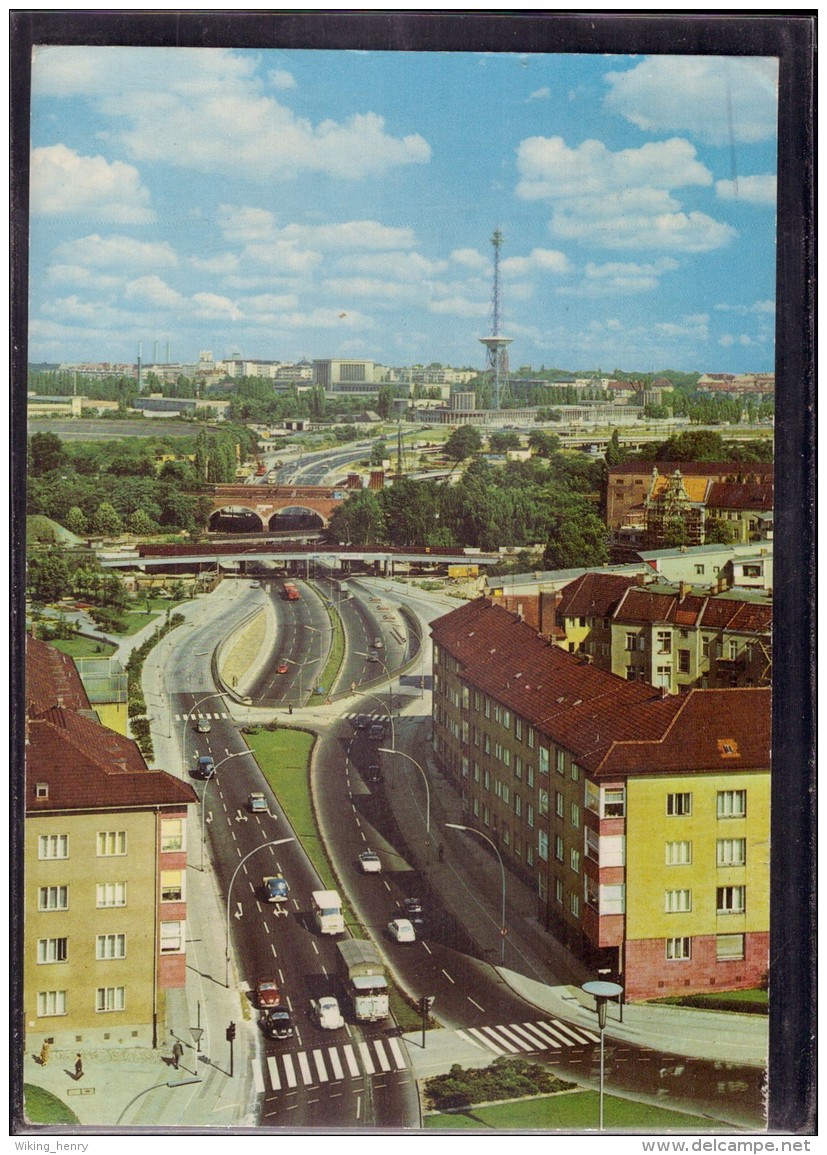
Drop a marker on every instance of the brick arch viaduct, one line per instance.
(264, 501)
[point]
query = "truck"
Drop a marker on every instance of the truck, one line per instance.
(363, 976)
(290, 592)
(327, 911)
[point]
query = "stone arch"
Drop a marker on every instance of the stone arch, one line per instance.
(236, 519)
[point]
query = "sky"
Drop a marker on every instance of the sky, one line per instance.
(281, 204)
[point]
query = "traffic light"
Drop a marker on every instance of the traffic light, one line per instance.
(230, 1032)
(425, 1003)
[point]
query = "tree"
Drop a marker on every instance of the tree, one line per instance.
(578, 539)
(359, 520)
(502, 442)
(378, 453)
(696, 445)
(719, 532)
(463, 442)
(543, 444)
(48, 577)
(46, 453)
(76, 521)
(384, 401)
(614, 453)
(107, 520)
(140, 522)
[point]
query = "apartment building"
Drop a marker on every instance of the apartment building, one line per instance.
(641, 818)
(673, 639)
(105, 857)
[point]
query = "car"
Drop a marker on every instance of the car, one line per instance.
(276, 1023)
(267, 993)
(205, 768)
(361, 722)
(377, 732)
(203, 726)
(374, 773)
(401, 930)
(282, 668)
(370, 862)
(412, 906)
(276, 888)
(325, 1011)
(257, 801)
(378, 644)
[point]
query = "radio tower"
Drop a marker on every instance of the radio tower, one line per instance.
(496, 344)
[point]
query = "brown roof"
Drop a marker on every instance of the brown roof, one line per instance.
(694, 487)
(695, 468)
(89, 767)
(741, 495)
(51, 678)
(642, 605)
(593, 594)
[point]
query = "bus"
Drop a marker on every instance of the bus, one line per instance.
(290, 592)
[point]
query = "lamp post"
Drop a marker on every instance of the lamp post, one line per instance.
(366, 694)
(277, 842)
(320, 631)
(238, 754)
(390, 750)
(602, 992)
(479, 833)
(301, 665)
(376, 658)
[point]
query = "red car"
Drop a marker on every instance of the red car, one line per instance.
(283, 668)
(267, 993)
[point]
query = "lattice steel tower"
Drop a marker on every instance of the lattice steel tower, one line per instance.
(496, 344)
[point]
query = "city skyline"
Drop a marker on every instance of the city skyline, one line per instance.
(290, 203)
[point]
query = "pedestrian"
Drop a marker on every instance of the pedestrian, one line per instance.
(45, 1051)
(78, 1068)
(177, 1054)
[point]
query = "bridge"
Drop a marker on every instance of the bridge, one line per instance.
(265, 504)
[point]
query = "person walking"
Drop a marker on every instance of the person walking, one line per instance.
(177, 1054)
(78, 1068)
(45, 1052)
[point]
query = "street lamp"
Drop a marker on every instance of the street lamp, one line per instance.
(367, 694)
(277, 842)
(472, 830)
(321, 630)
(602, 992)
(238, 754)
(386, 750)
(301, 665)
(376, 658)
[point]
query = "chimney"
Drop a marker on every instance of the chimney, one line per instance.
(60, 701)
(519, 611)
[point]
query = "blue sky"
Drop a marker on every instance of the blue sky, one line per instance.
(291, 203)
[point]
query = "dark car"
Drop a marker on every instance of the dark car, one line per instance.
(376, 732)
(412, 906)
(361, 722)
(374, 774)
(205, 768)
(276, 1023)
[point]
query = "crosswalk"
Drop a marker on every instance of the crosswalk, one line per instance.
(366, 716)
(332, 1064)
(516, 1038)
(201, 714)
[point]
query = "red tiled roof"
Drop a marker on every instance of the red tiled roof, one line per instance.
(593, 595)
(588, 711)
(89, 767)
(741, 495)
(695, 468)
(51, 678)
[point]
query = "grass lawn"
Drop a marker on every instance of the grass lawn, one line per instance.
(572, 1111)
(44, 1107)
(83, 647)
(755, 1001)
(334, 661)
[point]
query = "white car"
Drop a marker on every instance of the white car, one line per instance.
(326, 1013)
(370, 862)
(401, 930)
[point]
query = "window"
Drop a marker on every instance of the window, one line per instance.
(558, 889)
(52, 950)
(678, 853)
(663, 677)
(575, 815)
(111, 842)
(111, 894)
(678, 805)
(592, 797)
(486, 743)
(110, 999)
(561, 762)
(518, 729)
(51, 1003)
(475, 735)
(476, 770)
(476, 807)
(574, 904)
(731, 899)
(518, 766)
(574, 860)
(529, 774)
(558, 848)
(732, 852)
(172, 886)
(590, 892)
(699, 569)
(53, 898)
(543, 760)
(530, 737)
(631, 642)
(542, 801)
(53, 846)
(542, 845)
(664, 642)
(705, 642)
(466, 697)
(41, 789)
(486, 780)
(172, 937)
(529, 814)
(486, 707)
(613, 899)
(592, 843)
(614, 803)
(559, 804)
(110, 946)
(518, 805)
(732, 803)
(677, 901)
(678, 949)
(729, 947)
(575, 772)
(505, 721)
(733, 651)
(172, 834)
(683, 661)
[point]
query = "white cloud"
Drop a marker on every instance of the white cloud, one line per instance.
(244, 223)
(346, 287)
(716, 98)
(754, 190)
(355, 235)
(619, 277)
(282, 79)
(620, 199)
(458, 307)
(471, 258)
(284, 259)
(64, 183)
(541, 93)
(762, 308)
(119, 252)
(212, 307)
(538, 261)
(397, 265)
(220, 265)
(82, 277)
(153, 291)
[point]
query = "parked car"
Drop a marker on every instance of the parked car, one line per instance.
(401, 930)
(326, 1013)
(205, 768)
(276, 1023)
(267, 993)
(370, 862)
(257, 801)
(203, 726)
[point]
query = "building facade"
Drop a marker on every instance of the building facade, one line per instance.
(576, 775)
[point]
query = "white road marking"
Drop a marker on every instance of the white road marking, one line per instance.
(384, 1062)
(273, 1068)
(366, 1059)
(396, 1050)
(258, 1079)
(448, 977)
(335, 1063)
(515, 1038)
(304, 1066)
(493, 1034)
(350, 1059)
(289, 1071)
(320, 1067)
(465, 1039)
(477, 1005)
(488, 1043)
